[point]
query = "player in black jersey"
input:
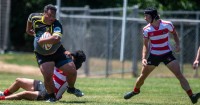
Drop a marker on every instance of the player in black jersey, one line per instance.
(37, 25)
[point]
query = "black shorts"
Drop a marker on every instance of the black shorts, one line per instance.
(39, 86)
(58, 57)
(165, 58)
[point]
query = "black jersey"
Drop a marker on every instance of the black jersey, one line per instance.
(40, 27)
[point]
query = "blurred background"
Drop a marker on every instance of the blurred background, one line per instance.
(95, 26)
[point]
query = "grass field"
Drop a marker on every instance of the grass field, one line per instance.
(106, 91)
(110, 91)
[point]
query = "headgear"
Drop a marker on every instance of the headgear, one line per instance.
(80, 57)
(152, 12)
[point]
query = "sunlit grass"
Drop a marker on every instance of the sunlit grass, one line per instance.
(110, 91)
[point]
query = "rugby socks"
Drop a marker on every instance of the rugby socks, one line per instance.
(136, 90)
(189, 92)
(2, 98)
(52, 95)
(7, 92)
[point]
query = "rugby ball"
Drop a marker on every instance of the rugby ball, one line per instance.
(46, 46)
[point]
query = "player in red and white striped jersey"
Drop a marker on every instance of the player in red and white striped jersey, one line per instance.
(35, 90)
(159, 37)
(156, 45)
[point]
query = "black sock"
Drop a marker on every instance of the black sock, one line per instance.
(71, 89)
(52, 95)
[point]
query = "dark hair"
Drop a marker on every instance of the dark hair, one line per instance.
(153, 12)
(79, 58)
(50, 7)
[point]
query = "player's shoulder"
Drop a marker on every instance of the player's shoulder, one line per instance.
(36, 15)
(166, 22)
(57, 22)
(147, 27)
(57, 25)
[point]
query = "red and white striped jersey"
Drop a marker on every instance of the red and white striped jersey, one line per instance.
(60, 83)
(159, 37)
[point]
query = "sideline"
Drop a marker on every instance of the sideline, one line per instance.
(13, 68)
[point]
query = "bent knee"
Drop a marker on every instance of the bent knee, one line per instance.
(18, 80)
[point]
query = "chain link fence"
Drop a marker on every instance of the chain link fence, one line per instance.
(98, 33)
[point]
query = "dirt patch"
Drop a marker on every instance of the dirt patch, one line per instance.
(13, 68)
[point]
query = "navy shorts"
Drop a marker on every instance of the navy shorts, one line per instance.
(156, 59)
(58, 57)
(39, 86)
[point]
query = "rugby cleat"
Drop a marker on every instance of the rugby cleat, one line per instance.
(194, 97)
(130, 94)
(75, 91)
(51, 99)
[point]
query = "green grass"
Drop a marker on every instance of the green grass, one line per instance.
(96, 64)
(110, 91)
(19, 58)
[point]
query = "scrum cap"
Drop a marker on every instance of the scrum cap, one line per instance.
(152, 12)
(80, 57)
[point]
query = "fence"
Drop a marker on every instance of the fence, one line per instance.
(4, 24)
(98, 33)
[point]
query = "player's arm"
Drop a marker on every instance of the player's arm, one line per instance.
(29, 26)
(176, 39)
(29, 29)
(50, 40)
(145, 51)
(196, 61)
(55, 37)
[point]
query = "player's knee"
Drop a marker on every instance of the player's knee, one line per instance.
(72, 72)
(18, 80)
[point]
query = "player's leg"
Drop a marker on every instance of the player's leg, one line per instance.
(140, 81)
(69, 70)
(65, 63)
(28, 95)
(175, 68)
(47, 72)
(24, 83)
(152, 62)
(47, 64)
(144, 74)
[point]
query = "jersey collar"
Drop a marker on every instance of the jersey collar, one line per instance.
(43, 20)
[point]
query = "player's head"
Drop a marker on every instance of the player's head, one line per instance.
(79, 58)
(49, 14)
(152, 12)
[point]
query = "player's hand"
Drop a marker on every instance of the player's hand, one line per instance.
(68, 53)
(144, 62)
(195, 64)
(177, 48)
(31, 32)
